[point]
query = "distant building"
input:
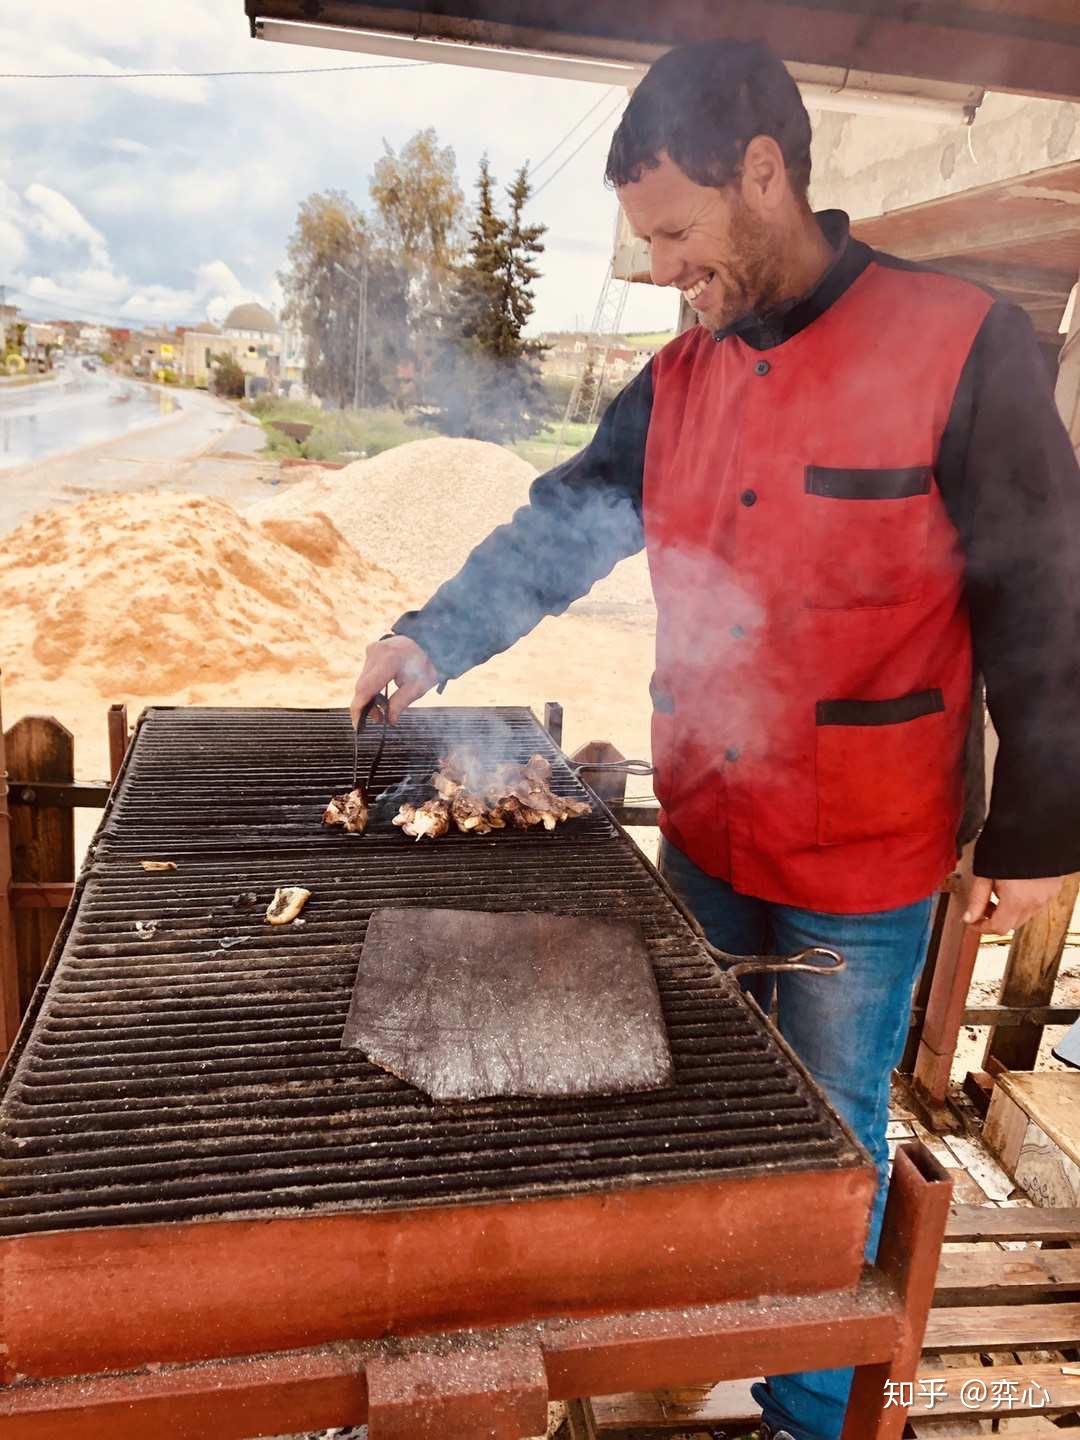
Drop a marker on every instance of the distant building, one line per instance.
(149, 351)
(567, 356)
(9, 318)
(92, 340)
(42, 341)
(250, 335)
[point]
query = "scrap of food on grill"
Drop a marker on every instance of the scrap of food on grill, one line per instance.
(287, 903)
(477, 801)
(350, 811)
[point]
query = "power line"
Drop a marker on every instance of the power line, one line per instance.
(205, 74)
(578, 148)
(116, 322)
(541, 163)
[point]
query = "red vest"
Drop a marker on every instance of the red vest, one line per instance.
(813, 656)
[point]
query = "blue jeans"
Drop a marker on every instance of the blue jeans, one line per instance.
(849, 1031)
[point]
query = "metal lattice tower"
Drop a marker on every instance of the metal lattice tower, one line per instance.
(606, 325)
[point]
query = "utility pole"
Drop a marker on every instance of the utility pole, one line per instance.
(360, 362)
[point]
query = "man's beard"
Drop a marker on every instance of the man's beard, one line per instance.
(752, 281)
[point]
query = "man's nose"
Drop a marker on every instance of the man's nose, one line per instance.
(664, 264)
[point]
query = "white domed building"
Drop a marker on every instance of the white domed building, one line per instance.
(250, 334)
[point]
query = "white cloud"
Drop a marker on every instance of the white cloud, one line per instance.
(162, 181)
(123, 146)
(55, 218)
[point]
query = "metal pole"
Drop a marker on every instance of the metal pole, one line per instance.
(359, 343)
(363, 331)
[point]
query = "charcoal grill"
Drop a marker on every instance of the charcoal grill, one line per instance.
(191, 1168)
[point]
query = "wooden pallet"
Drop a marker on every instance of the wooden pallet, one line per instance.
(1006, 1321)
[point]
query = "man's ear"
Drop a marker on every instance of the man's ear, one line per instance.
(764, 174)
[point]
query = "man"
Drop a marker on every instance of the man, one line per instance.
(856, 497)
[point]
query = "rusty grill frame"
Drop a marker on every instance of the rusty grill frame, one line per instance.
(86, 1287)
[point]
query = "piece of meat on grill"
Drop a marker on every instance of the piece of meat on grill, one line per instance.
(424, 822)
(350, 811)
(485, 798)
(472, 815)
(287, 903)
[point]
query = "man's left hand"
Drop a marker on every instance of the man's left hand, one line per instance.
(1015, 902)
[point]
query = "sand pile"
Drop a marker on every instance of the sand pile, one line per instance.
(419, 509)
(153, 594)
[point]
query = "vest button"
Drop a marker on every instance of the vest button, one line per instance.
(762, 367)
(737, 632)
(731, 753)
(749, 497)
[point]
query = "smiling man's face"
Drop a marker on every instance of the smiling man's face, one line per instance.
(708, 241)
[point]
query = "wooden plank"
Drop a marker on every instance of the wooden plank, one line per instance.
(983, 1168)
(1005, 1128)
(996, 1390)
(728, 1403)
(1028, 1222)
(1005, 1277)
(42, 837)
(119, 736)
(1005, 1327)
(579, 1420)
(1030, 974)
(1052, 1099)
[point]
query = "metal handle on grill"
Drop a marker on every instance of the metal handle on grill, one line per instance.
(622, 767)
(759, 964)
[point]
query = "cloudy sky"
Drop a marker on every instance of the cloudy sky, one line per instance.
(136, 200)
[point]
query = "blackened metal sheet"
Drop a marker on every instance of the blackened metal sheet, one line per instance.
(468, 1005)
(185, 1059)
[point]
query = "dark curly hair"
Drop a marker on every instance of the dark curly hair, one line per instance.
(703, 104)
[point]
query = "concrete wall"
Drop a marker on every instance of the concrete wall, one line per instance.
(867, 165)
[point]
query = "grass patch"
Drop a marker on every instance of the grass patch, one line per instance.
(539, 449)
(335, 434)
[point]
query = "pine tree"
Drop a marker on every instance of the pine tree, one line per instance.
(486, 383)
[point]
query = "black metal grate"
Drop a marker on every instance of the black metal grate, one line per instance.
(185, 1059)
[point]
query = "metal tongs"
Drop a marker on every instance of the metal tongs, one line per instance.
(735, 964)
(381, 703)
(760, 964)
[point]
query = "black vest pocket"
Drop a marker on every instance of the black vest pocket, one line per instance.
(864, 536)
(883, 768)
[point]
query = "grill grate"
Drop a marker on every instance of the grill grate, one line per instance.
(193, 1067)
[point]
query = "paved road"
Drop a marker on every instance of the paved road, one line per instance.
(74, 409)
(164, 439)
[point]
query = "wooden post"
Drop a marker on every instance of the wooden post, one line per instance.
(118, 739)
(1030, 973)
(9, 965)
(553, 718)
(42, 838)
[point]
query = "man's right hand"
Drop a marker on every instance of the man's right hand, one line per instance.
(401, 660)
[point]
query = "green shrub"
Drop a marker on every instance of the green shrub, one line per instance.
(226, 377)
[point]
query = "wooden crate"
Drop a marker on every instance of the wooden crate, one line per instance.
(1033, 1127)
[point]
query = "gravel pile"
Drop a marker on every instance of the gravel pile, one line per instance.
(418, 510)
